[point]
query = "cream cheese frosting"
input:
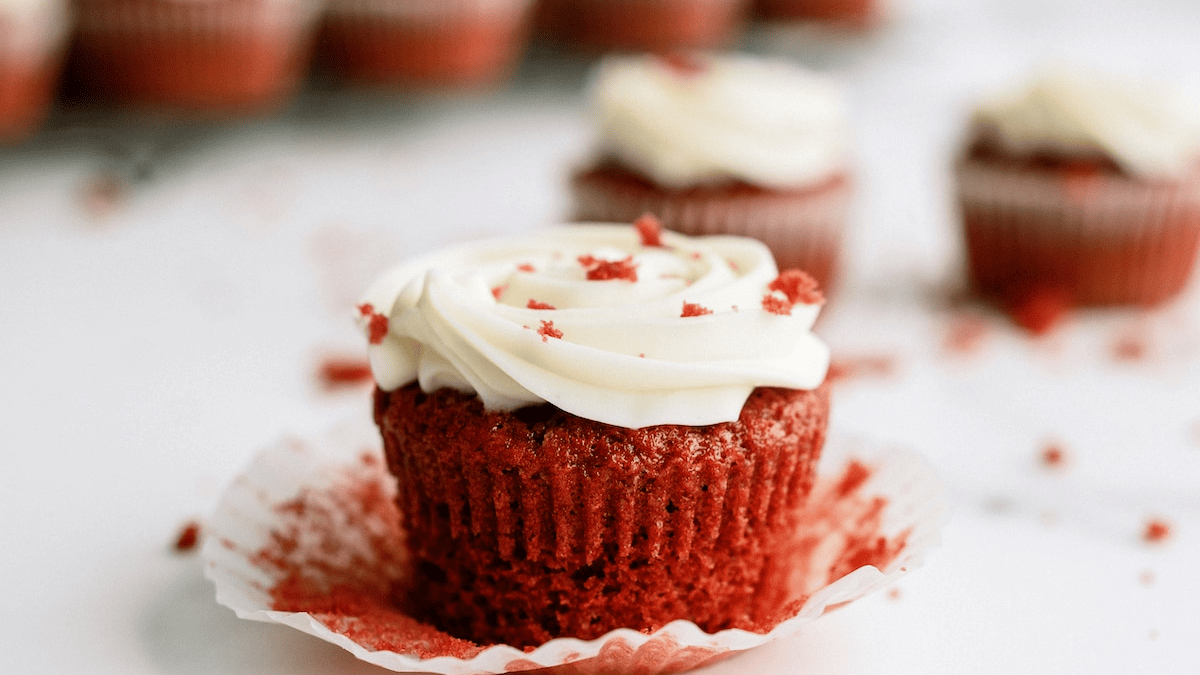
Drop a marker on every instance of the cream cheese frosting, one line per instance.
(708, 118)
(617, 350)
(1147, 128)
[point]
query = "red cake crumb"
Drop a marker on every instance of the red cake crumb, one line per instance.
(526, 267)
(1053, 456)
(1039, 311)
(377, 325)
(965, 334)
(1130, 347)
(776, 304)
(498, 291)
(846, 368)
(1157, 530)
(189, 536)
(798, 286)
(693, 309)
(534, 304)
(599, 269)
(548, 331)
(894, 594)
(649, 228)
(336, 371)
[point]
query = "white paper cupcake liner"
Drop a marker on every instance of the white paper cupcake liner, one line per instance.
(336, 483)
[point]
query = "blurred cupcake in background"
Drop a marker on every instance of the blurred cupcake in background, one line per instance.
(723, 144)
(197, 55)
(425, 42)
(849, 13)
(1084, 188)
(643, 25)
(32, 37)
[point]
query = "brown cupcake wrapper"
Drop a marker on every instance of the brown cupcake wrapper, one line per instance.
(803, 229)
(1091, 238)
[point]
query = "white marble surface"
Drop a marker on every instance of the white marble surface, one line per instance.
(151, 341)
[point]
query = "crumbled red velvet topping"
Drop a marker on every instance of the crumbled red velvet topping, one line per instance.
(683, 64)
(549, 331)
(336, 370)
(798, 286)
(526, 267)
(498, 291)
(693, 309)
(649, 228)
(1054, 456)
(377, 324)
(188, 537)
(605, 270)
(534, 304)
(776, 304)
(1156, 530)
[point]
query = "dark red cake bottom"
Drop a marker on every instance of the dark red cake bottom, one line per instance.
(537, 524)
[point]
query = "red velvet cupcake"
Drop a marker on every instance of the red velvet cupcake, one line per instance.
(595, 427)
(197, 55)
(723, 145)
(1082, 188)
(644, 25)
(850, 13)
(32, 35)
(450, 43)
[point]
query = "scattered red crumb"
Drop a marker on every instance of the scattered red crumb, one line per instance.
(1130, 347)
(188, 537)
(683, 64)
(880, 365)
(607, 270)
(1147, 577)
(377, 325)
(549, 331)
(694, 255)
(798, 286)
(734, 266)
(1053, 456)
(341, 370)
(102, 194)
(856, 474)
(534, 304)
(1039, 311)
(776, 304)
(526, 267)
(498, 291)
(649, 228)
(693, 309)
(966, 334)
(1157, 530)
(894, 594)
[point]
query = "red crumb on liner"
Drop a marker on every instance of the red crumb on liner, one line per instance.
(1156, 530)
(649, 228)
(189, 536)
(693, 309)
(335, 371)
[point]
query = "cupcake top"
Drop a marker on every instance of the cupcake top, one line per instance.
(1148, 129)
(630, 326)
(688, 120)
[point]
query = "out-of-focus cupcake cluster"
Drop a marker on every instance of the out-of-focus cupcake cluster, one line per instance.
(231, 57)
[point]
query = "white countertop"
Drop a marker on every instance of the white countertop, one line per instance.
(151, 342)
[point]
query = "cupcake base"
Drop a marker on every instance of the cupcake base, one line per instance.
(537, 524)
(803, 227)
(26, 90)
(645, 25)
(848, 12)
(1089, 237)
(205, 56)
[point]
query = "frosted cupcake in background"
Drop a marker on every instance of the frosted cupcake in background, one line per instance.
(723, 144)
(198, 55)
(1084, 188)
(425, 43)
(32, 39)
(642, 25)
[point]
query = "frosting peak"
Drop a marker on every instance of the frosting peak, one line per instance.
(684, 339)
(707, 118)
(1145, 127)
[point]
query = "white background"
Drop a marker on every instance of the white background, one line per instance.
(149, 343)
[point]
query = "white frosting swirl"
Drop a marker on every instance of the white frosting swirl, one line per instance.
(1146, 128)
(717, 118)
(626, 356)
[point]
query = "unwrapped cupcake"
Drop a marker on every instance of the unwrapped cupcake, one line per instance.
(32, 38)
(595, 427)
(417, 42)
(1082, 187)
(193, 55)
(723, 144)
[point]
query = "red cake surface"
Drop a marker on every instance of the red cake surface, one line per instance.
(643, 25)
(535, 524)
(860, 13)
(226, 55)
(1076, 229)
(802, 227)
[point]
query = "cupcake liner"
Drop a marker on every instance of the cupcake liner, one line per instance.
(203, 54)
(457, 42)
(31, 48)
(803, 228)
(645, 25)
(1092, 238)
(308, 537)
